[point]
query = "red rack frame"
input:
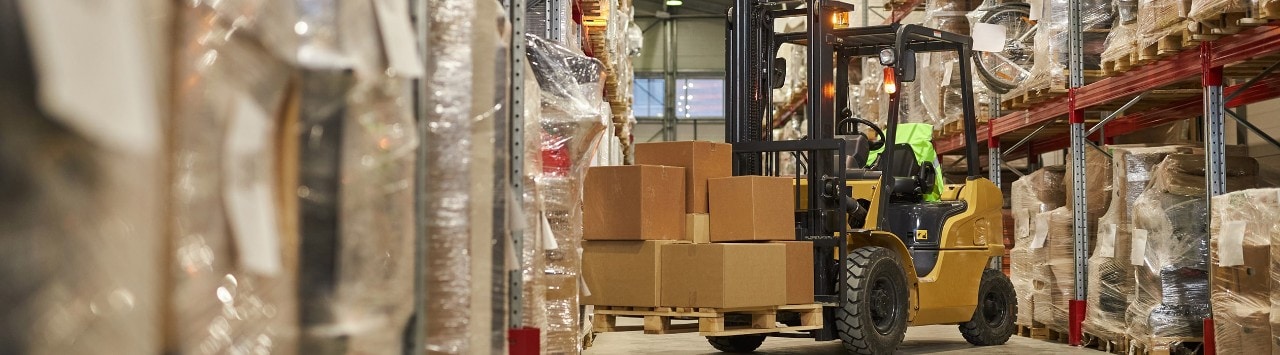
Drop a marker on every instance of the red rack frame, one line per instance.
(1183, 67)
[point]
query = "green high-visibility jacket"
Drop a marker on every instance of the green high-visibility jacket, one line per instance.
(920, 137)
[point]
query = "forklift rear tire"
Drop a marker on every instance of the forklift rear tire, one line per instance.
(873, 319)
(737, 343)
(992, 322)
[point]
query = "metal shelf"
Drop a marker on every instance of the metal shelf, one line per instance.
(1183, 68)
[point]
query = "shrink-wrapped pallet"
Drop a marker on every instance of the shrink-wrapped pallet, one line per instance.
(536, 229)
(1051, 50)
(1170, 249)
(1097, 171)
(1213, 9)
(1119, 46)
(573, 117)
(1241, 233)
(1158, 19)
(448, 162)
(939, 76)
(1033, 195)
(1054, 271)
(234, 255)
(82, 215)
(1110, 277)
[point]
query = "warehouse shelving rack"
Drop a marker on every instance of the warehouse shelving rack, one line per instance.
(1160, 92)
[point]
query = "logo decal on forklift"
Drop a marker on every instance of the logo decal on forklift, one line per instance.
(922, 234)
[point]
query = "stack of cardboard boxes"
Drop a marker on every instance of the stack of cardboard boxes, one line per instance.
(678, 230)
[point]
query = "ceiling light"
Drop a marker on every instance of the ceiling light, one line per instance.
(675, 2)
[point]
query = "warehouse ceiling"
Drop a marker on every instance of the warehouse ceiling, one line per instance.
(690, 7)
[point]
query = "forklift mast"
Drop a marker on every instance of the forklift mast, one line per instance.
(751, 48)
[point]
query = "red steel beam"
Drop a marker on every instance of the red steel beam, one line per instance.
(1251, 43)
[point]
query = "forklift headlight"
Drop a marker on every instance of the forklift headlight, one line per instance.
(886, 57)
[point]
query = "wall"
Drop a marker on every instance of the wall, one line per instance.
(1263, 115)
(699, 45)
(685, 131)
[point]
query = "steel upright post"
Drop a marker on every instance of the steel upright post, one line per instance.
(1214, 145)
(994, 161)
(1078, 137)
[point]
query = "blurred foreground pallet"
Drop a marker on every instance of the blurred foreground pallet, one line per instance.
(1114, 345)
(1165, 345)
(711, 321)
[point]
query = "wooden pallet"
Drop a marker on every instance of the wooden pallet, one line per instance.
(1227, 23)
(711, 321)
(1117, 344)
(1266, 10)
(1038, 331)
(1118, 65)
(1162, 345)
(1165, 46)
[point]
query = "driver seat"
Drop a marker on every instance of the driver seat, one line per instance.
(911, 178)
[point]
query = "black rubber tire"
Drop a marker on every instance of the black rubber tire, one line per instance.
(737, 343)
(873, 318)
(993, 320)
(987, 77)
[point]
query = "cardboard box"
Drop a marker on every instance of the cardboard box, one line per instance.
(723, 275)
(623, 272)
(799, 271)
(746, 208)
(636, 202)
(702, 161)
(697, 227)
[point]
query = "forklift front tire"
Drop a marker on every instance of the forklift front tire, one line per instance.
(737, 343)
(992, 322)
(873, 318)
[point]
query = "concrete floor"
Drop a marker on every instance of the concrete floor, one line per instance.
(933, 339)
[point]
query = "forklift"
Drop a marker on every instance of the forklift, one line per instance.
(892, 249)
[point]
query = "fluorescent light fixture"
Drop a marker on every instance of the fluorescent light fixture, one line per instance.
(675, 2)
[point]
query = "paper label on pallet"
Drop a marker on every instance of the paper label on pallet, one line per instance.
(946, 76)
(1107, 240)
(1139, 251)
(548, 235)
(988, 37)
(95, 70)
(398, 38)
(1041, 232)
(1231, 244)
(246, 187)
(1037, 6)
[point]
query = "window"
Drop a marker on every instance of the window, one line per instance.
(698, 96)
(648, 96)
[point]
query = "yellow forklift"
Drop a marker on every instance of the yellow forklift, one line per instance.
(892, 247)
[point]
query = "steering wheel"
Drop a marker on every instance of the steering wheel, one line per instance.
(851, 123)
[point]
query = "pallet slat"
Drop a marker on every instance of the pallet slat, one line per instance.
(711, 321)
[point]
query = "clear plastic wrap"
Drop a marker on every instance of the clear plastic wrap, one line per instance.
(1119, 43)
(1159, 18)
(231, 287)
(1097, 169)
(536, 228)
(1171, 242)
(449, 76)
(1126, 11)
(939, 77)
(1033, 195)
(573, 117)
(1212, 9)
(1241, 233)
(1110, 277)
(1054, 270)
(1051, 52)
(81, 227)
